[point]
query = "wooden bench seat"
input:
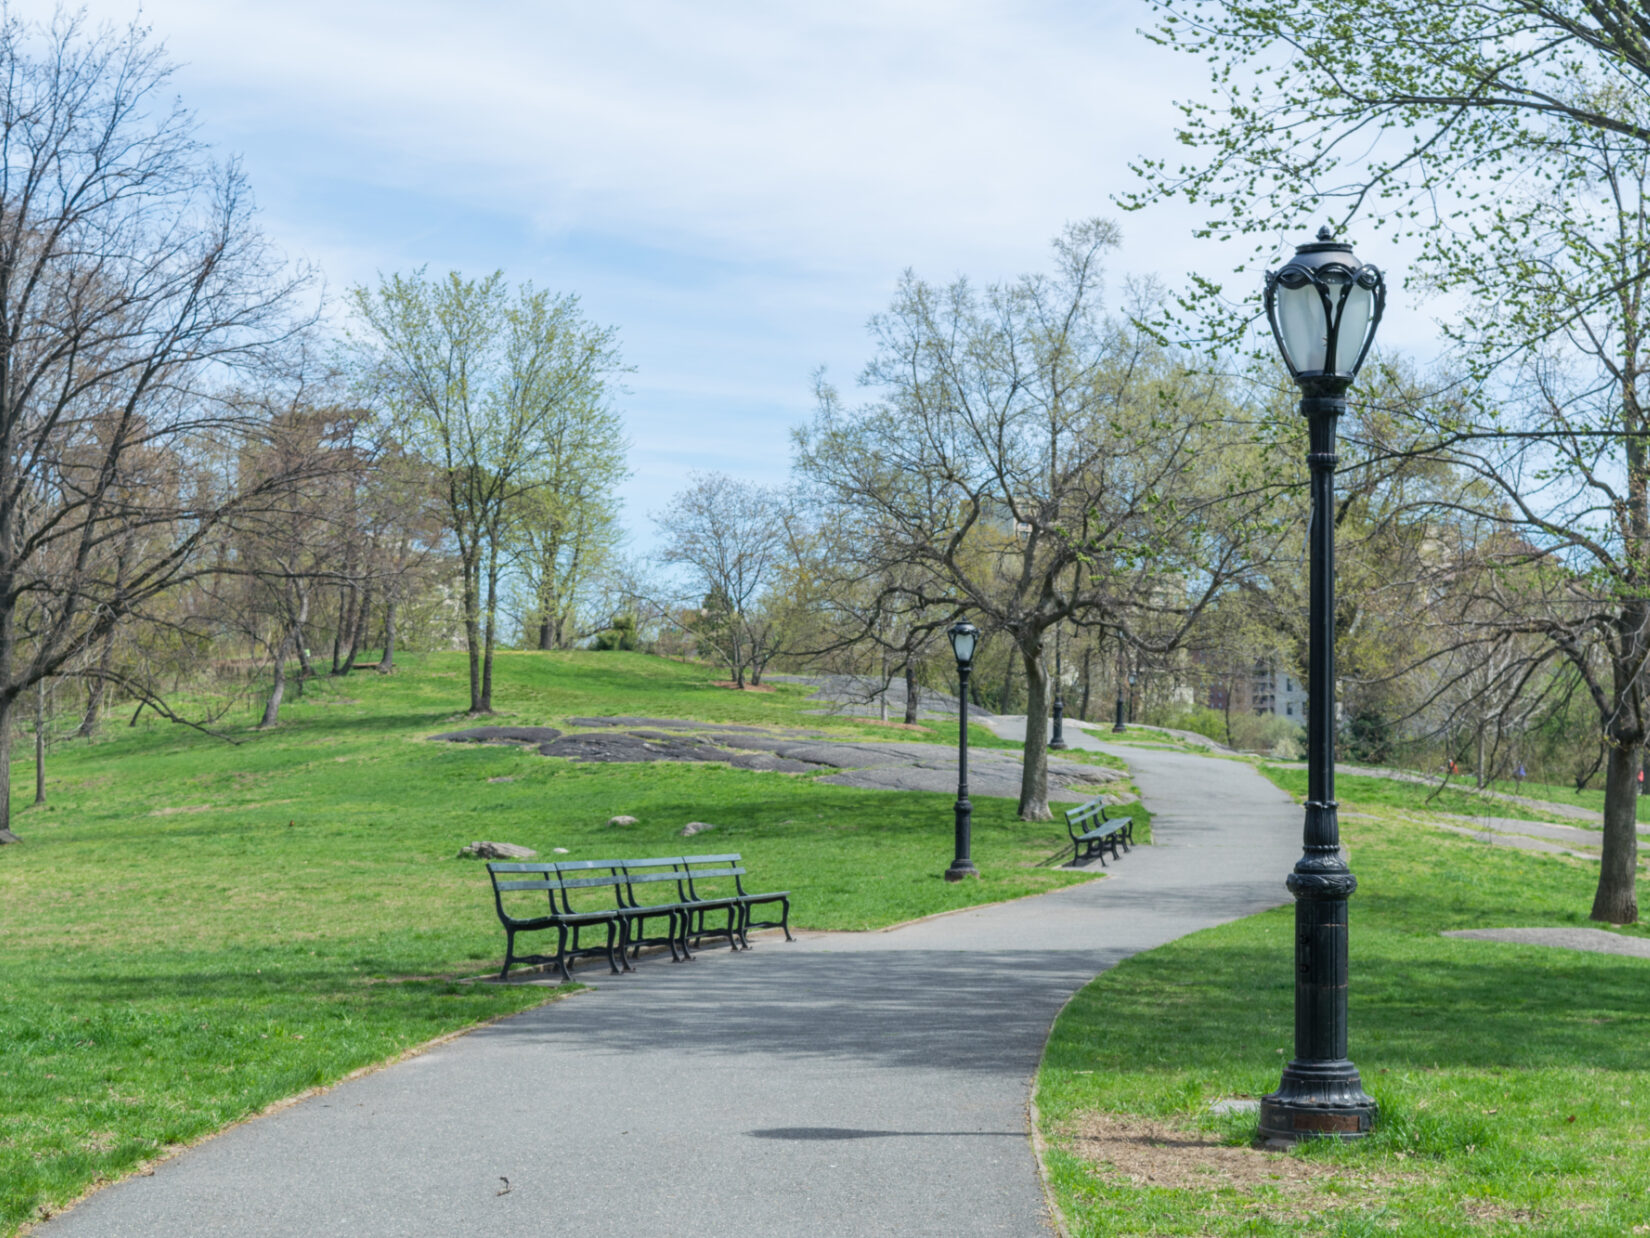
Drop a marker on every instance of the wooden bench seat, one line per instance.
(1094, 831)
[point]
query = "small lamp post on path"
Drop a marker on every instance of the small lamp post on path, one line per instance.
(1058, 739)
(1323, 306)
(1119, 725)
(964, 637)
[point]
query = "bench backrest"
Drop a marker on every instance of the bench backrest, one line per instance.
(1084, 813)
(661, 882)
(673, 877)
(553, 879)
(713, 871)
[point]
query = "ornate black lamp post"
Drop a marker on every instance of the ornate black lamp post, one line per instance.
(964, 637)
(1119, 724)
(1058, 739)
(1323, 306)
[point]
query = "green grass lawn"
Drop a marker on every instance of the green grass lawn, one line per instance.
(195, 930)
(1371, 792)
(1563, 793)
(1591, 799)
(1513, 1080)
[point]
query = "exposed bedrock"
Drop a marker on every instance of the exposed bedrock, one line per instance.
(896, 766)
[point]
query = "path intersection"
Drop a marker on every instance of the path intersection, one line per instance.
(853, 1084)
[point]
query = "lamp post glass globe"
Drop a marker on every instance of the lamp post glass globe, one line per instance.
(1323, 306)
(965, 637)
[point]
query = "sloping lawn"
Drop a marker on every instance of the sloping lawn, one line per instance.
(195, 930)
(1513, 1080)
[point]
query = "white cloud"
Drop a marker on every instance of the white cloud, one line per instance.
(735, 184)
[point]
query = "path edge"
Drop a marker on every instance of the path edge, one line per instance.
(1034, 1116)
(145, 1168)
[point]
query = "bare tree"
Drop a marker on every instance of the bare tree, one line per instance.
(1032, 462)
(136, 298)
(730, 536)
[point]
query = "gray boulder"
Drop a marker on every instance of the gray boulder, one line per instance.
(621, 820)
(695, 827)
(496, 851)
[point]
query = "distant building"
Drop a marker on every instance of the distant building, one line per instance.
(1268, 689)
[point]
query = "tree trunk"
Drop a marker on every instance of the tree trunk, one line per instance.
(1617, 901)
(358, 632)
(1034, 773)
(97, 688)
(294, 639)
(912, 692)
(40, 741)
(1083, 709)
(277, 688)
(345, 598)
(386, 664)
(6, 836)
(472, 629)
(546, 635)
(1481, 775)
(300, 638)
(882, 692)
(491, 630)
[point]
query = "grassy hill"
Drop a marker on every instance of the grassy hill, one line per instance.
(196, 929)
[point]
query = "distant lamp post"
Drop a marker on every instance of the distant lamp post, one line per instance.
(1119, 724)
(1058, 738)
(964, 638)
(1324, 306)
(1134, 679)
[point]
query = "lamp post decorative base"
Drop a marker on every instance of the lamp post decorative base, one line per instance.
(1058, 740)
(1316, 1100)
(960, 870)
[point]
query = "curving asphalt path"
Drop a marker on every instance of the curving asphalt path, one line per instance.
(849, 1084)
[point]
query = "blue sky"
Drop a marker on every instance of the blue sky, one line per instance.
(735, 186)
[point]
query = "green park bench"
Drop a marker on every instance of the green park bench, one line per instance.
(703, 868)
(516, 887)
(1094, 831)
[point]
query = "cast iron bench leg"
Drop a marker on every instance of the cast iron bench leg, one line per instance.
(561, 950)
(509, 952)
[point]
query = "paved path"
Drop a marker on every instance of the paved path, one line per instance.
(850, 1084)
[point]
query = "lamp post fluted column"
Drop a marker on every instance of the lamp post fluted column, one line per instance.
(1323, 307)
(1058, 739)
(963, 639)
(1119, 725)
(1321, 1092)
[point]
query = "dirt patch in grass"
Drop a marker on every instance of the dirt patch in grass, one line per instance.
(1154, 1154)
(1491, 1212)
(749, 687)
